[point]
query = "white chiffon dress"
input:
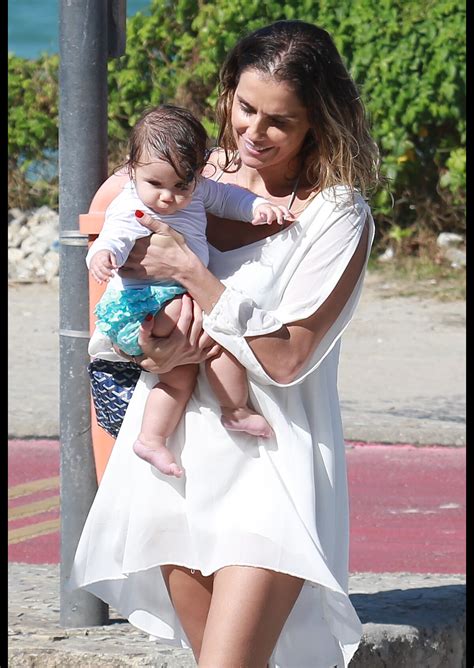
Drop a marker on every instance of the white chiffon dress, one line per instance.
(281, 503)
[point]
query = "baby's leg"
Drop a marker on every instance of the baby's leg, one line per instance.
(228, 380)
(163, 410)
(166, 402)
(166, 319)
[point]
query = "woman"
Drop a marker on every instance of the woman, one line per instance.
(245, 558)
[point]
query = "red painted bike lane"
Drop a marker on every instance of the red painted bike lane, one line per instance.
(407, 506)
(33, 502)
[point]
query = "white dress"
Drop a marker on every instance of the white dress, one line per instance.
(281, 503)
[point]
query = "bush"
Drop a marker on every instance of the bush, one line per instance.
(32, 131)
(410, 60)
(407, 57)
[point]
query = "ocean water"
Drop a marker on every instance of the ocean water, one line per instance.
(33, 25)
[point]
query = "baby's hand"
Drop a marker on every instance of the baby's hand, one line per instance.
(268, 213)
(103, 266)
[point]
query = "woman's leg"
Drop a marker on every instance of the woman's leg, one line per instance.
(190, 593)
(233, 618)
(248, 609)
(228, 380)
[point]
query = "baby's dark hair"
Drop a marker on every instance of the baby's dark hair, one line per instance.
(172, 134)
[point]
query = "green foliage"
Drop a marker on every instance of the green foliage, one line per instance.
(398, 234)
(407, 56)
(409, 60)
(454, 178)
(32, 130)
(175, 53)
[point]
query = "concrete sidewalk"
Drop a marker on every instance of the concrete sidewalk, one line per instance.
(409, 620)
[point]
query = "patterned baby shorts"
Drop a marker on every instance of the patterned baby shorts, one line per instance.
(121, 312)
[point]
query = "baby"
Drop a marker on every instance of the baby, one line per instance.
(167, 151)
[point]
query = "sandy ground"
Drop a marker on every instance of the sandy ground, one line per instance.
(401, 375)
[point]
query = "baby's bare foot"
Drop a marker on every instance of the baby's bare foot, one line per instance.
(158, 456)
(244, 419)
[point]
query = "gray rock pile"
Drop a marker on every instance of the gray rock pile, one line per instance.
(453, 248)
(33, 247)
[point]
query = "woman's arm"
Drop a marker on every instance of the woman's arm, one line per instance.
(283, 353)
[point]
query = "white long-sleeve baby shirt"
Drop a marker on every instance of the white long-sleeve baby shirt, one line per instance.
(121, 228)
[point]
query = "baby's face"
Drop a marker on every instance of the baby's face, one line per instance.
(161, 189)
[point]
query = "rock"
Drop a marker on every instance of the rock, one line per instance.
(452, 247)
(32, 245)
(387, 256)
(33, 248)
(15, 255)
(34, 265)
(16, 215)
(42, 216)
(449, 239)
(51, 265)
(456, 257)
(17, 233)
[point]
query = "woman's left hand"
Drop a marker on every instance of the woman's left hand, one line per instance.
(188, 343)
(158, 256)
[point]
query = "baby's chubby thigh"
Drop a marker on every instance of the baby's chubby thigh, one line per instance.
(167, 317)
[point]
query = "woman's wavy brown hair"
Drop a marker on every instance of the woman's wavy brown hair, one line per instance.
(338, 148)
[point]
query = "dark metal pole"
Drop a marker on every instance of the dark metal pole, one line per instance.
(83, 49)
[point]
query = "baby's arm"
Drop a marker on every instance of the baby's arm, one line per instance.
(103, 265)
(120, 229)
(227, 200)
(267, 213)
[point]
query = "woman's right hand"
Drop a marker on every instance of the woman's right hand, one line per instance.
(188, 343)
(158, 255)
(139, 263)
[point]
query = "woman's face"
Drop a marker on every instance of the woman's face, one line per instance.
(268, 120)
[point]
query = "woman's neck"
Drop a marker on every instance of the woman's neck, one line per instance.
(290, 193)
(267, 182)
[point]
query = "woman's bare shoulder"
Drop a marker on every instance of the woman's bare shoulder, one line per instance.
(215, 162)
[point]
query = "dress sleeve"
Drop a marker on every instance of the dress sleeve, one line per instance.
(316, 260)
